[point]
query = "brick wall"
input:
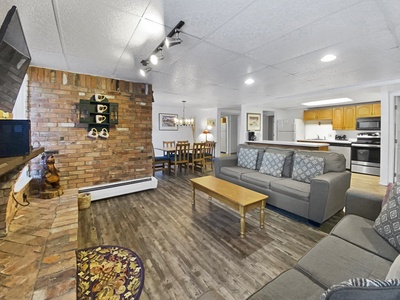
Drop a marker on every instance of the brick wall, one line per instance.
(53, 99)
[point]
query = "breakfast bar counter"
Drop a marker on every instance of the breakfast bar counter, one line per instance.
(292, 145)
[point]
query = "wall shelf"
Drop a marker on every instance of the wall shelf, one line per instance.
(90, 110)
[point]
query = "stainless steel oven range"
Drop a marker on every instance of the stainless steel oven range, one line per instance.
(366, 153)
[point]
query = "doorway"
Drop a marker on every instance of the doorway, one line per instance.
(268, 125)
(228, 133)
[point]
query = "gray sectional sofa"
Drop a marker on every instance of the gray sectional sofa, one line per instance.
(353, 249)
(317, 201)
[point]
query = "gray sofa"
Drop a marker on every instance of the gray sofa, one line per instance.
(353, 249)
(316, 201)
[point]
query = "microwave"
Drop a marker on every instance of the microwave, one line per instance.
(15, 137)
(368, 123)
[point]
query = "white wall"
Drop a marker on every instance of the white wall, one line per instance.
(183, 132)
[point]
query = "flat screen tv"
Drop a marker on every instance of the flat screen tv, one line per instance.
(14, 59)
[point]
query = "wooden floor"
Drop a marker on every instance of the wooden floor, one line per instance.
(187, 251)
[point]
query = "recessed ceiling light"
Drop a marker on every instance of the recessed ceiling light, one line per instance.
(327, 101)
(249, 81)
(328, 58)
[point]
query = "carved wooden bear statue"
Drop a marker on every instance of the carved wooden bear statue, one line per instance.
(51, 176)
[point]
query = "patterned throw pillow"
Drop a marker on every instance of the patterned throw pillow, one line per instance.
(357, 283)
(306, 167)
(272, 164)
(247, 158)
(388, 222)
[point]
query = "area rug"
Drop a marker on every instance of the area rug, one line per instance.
(109, 272)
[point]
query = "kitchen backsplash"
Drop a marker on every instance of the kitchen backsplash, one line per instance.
(323, 130)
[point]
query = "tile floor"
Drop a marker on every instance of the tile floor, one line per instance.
(37, 257)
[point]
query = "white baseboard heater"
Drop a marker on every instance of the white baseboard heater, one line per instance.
(119, 188)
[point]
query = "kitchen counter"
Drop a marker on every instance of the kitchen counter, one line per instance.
(327, 141)
(293, 145)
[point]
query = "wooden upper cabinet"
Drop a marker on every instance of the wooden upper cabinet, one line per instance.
(324, 114)
(310, 114)
(363, 110)
(368, 110)
(337, 118)
(344, 118)
(349, 118)
(376, 109)
(318, 114)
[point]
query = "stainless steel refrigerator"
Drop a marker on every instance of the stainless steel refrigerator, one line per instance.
(290, 130)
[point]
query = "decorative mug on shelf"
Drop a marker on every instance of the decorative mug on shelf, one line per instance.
(104, 133)
(99, 97)
(100, 118)
(101, 108)
(93, 133)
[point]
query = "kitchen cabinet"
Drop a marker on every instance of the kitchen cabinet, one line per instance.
(368, 110)
(318, 114)
(344, 118)
(376, 109)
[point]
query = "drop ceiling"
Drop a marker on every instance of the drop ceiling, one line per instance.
(277, 43)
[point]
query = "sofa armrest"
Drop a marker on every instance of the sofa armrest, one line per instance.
(363, 204)
(224, 161)
(327, 195)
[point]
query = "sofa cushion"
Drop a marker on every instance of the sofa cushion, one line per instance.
(259, 179)
(292, 188)
(288, 165)
(394, 271)
(291, 284)
(388, 222)
(334, 260)
(363, 289)
(236, 172)
(272, 164)
(359, 231)
(247, 158)
(260, 153)
(334, 162)
(306, 167)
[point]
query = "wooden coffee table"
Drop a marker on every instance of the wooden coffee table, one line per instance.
(233, 195)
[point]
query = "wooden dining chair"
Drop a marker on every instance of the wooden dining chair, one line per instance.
(160, 163)
(209, 154)
(168, 144)
(183, 142)
(196, 158)
(181, 158)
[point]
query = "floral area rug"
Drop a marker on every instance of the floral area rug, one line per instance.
(109, 272)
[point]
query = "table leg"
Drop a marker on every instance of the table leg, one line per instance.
(262, 214)
(242, 222)
(193, 196)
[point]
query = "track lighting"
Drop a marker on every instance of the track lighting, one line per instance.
(157, 54)
(143, 71)
(171, 41)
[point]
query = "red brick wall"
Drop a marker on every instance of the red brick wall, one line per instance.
(53, 110)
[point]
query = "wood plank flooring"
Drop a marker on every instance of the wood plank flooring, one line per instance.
(187, 251)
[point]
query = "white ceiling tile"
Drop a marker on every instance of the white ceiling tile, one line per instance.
(261, 23)
(224, 42)
(38, 23)
(46, 59)
(105, 35)
(201, 17)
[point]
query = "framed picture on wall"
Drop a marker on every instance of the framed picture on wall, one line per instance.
(166, 122)
(253, 122)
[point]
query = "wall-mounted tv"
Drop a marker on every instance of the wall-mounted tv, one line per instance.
(14, 59)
